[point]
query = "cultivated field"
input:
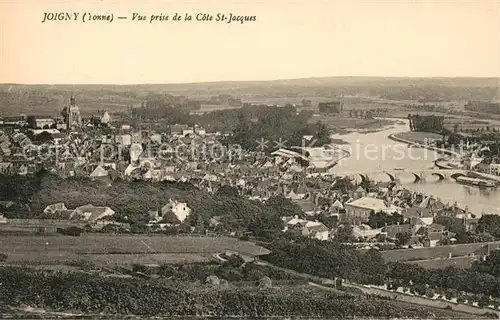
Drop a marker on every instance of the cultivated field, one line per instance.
(64, 258)
(54, 249)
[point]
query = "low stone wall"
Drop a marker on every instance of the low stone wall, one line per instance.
(443, 252)
(459, 262)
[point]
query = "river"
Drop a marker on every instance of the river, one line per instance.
(374, 152)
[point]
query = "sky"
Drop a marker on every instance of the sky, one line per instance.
(288, 39)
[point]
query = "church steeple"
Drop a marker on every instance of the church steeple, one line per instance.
(72, 114)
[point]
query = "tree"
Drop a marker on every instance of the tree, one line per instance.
(284, 207)
(322, 134)
(402, 238)
(167, 271)
(344, 234)
(451, 224)
(491, 265)
(235, 261)
(329, 221)
(489, 224)
(429, 293)
(380, 219)
(344, 184)
(200, 224)
(228, 191)
(44, 137)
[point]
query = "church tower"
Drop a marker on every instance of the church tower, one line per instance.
(72, 115)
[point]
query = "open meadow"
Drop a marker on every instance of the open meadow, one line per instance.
(59, 249)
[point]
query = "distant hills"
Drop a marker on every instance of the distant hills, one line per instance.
(316, 81)
(18, 98)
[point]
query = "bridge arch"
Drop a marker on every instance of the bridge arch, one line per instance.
(364, 177)
(417, 176)
(439, 175)
(391, 176)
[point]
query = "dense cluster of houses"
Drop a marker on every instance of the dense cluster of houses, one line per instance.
(140, 154)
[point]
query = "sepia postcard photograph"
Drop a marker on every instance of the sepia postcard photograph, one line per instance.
(307, 159)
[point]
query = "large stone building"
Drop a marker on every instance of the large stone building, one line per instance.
(71, 115)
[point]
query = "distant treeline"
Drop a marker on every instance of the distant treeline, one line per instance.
(483, 106)
(249, 123)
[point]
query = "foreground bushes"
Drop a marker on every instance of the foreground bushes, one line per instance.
(79, 292)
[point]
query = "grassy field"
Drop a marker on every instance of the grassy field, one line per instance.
(118, 248)
(419, 137)
(343, 122)
(62, 258)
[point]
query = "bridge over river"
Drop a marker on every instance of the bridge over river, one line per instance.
(416, 175)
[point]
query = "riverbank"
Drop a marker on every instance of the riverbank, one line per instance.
(422, 139)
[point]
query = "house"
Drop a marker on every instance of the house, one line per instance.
(470, 223)
(364, 231)
(180, 209)
(58, 137)
(117, 226)
(313, 229)
(391, 231)
(359, 193)
(2, 219)
(91, 213)
(40, 122)
(155, 138)
(293, 223)
(180, 130)
(123, 139)
(200, 131)
(416, 212)
(431, 234)
(432, 239)
(155, 216)
(99, 172)
(106, 118)
(361, 208)
(316, 230)
(336, 206)
(14, 120)
(307, 207)
(54, 208)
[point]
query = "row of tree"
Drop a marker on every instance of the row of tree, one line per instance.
(430, 123)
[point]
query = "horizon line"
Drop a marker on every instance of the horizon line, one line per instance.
(247, 81)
